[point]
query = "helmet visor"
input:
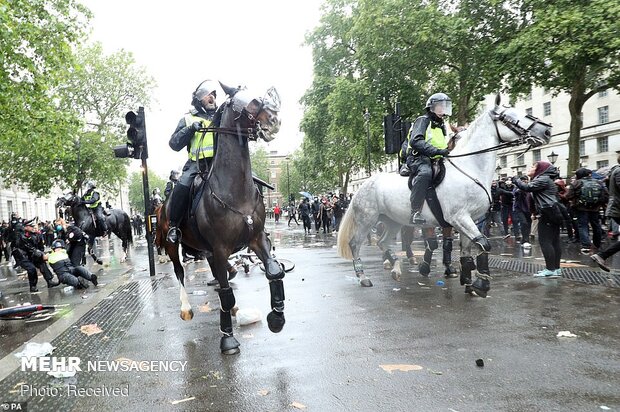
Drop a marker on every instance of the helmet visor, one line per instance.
(442, 107)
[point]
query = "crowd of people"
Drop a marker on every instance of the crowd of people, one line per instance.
(325, 212)
(37, 246)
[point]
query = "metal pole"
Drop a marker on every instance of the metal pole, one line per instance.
(147, 201)
(367, 118)
(288, 182)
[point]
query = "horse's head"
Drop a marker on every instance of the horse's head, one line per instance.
(512, 126)
(258, 115)
(68, 199)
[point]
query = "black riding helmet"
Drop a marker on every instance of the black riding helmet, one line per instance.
(58, 243)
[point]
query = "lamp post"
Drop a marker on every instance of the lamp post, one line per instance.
(367, 119)
(497, 170)
(288, 181)
(552, 159)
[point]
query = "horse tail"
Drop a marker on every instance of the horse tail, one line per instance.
(346, 231)
(126, 227)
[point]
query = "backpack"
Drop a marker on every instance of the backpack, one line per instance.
(591, 193)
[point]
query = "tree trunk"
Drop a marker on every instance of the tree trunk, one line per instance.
(577, 100)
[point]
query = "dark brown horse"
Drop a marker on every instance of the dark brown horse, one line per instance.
(230, 213)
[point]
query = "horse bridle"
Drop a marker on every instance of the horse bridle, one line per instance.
(525, 137)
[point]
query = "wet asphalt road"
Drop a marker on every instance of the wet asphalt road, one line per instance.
(341, 341)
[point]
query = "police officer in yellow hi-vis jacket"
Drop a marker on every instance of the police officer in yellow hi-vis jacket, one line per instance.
(200, 150)
(427, 143)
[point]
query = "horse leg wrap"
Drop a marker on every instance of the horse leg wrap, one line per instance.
(389, 255)
(273, 270)
(227, 299)
(467, 265)
(483, 242)
(276, 287)
(431, 245)
(482, 262)
(447, 254)
(358, 267)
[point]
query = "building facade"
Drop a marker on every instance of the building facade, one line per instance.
(14, 198)
(600, 134)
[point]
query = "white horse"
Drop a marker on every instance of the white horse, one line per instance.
(463, 194)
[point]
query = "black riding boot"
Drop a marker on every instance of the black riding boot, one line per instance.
(178, 207)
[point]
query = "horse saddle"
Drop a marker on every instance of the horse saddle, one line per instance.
(439, 172)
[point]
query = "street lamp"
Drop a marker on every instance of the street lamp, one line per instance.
(497, 170)
(552, 157)
(367, 119)
(288, 181)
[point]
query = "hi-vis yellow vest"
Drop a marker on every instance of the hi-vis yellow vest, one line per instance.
(435, 137)
(92, 205)
(200, 147)
(57, 256)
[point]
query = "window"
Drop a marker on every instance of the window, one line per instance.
(602, 93)
(547, 109)
(535, 155)
(503, 161)
(602, 163)
(602, 144)
(519, 160)
(582, 148)
(528, 111)
(272, 162)
(603, 114)
(24, 209)
(9, 206)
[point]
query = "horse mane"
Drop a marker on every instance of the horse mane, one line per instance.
(466, 135)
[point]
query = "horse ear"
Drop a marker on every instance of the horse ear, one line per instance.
(498, 99)
(228, 90)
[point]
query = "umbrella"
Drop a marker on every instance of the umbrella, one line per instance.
(306, 194)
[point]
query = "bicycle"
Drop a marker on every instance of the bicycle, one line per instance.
(249, 259)
(34, 313)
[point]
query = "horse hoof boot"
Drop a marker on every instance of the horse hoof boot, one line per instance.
(187, 314)
(366, 283)
(424, 268)
(387, 264)
(229, 345)
(481, 287)
(465, 279)
(275, 321)
(232, 273)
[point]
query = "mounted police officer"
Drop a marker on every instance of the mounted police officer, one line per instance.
(427, 144)
(172, 182)
(92, 200)
(200, 147)
(156, 200)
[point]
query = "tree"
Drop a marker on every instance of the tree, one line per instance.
(101, 89)
(260, 163)
(136, 191)
(36, 48)
(567, 46)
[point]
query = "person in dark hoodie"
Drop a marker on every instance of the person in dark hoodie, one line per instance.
(545, 194)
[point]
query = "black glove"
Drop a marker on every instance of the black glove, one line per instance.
(196, 126)
(514, 180)
(443, 152)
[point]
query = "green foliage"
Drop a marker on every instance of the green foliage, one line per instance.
(36, 44)
(136, 191)
(567, 46)
(260, 163)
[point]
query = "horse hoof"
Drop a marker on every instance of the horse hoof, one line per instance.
(387, 264)
(229, 345)
(424, 268)
(465, 280)
(275, 321)
(395, 276)
(366, 283)
(187, 314)
(231, 275)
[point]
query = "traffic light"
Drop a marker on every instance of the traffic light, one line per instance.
(136, 134)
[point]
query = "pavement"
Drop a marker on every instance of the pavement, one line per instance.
(404, 346)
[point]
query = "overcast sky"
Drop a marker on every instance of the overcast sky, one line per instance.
(181, 43)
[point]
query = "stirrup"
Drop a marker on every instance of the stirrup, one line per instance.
(416, 219)
(174, 235)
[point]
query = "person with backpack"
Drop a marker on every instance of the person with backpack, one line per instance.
(612, 212)
(588, 195)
